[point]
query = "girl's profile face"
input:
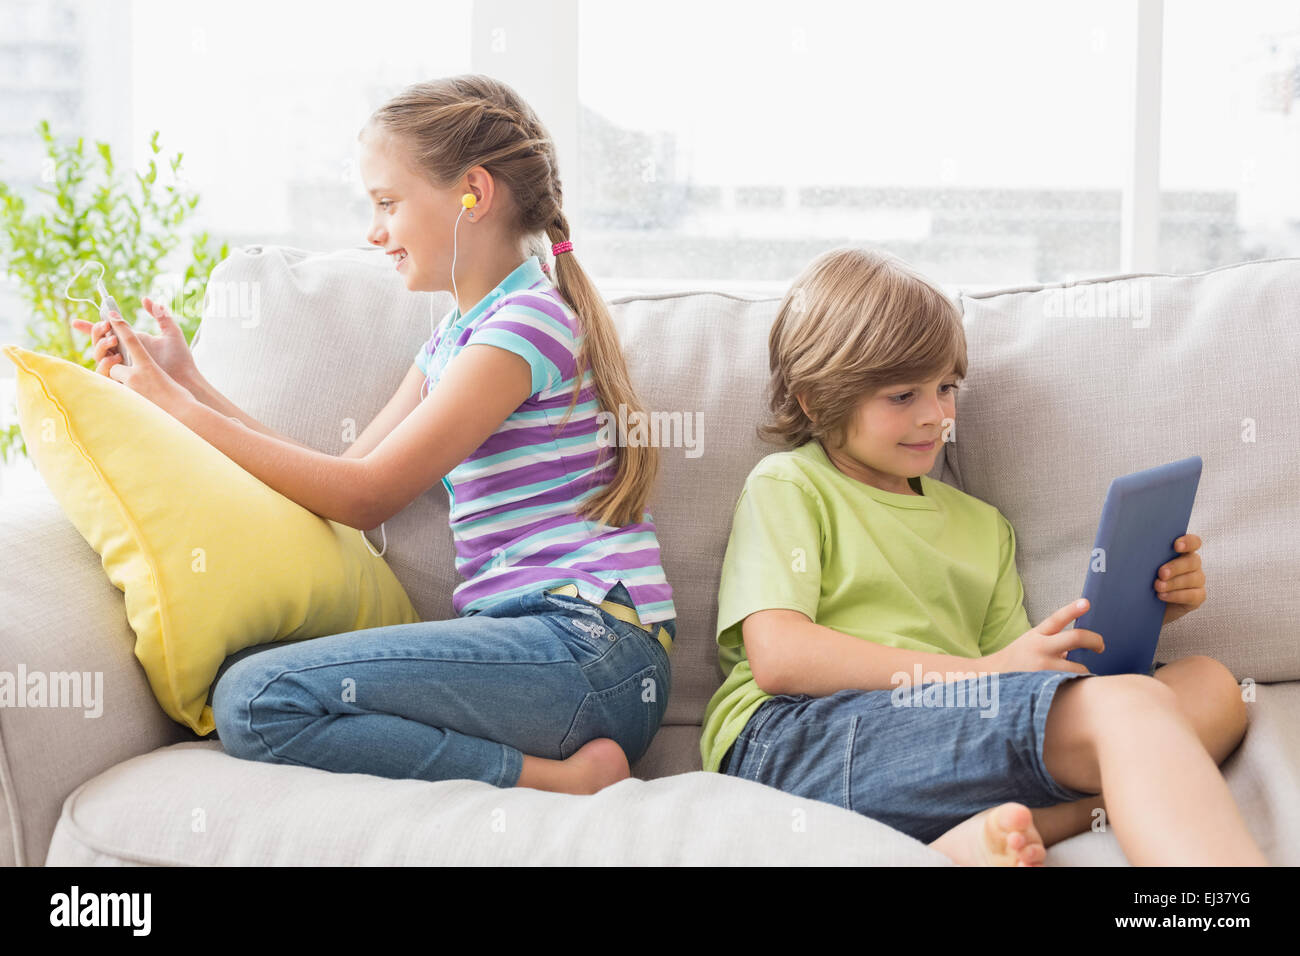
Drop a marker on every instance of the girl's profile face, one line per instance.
(876, 446)
(410, 215)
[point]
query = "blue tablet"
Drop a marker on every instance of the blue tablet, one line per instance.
(1144, 514)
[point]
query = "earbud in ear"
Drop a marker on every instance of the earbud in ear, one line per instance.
(468, 200)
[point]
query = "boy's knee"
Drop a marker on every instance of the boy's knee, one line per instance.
(1205, 685)
(1220, 692)
(1122, 696)
(1213, 675)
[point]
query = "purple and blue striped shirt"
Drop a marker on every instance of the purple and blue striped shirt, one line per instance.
(514, 501)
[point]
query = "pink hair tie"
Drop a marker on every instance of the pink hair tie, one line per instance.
(560, 247)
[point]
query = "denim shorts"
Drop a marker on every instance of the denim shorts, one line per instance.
(921, 768)
(467, 698)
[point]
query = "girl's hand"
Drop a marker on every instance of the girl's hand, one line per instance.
(1181, 581)
(169, 350)
(144, 375)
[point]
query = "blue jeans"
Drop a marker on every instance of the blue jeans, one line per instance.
(920, 765)
(462, 699)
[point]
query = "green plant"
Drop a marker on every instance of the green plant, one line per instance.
(95, 217)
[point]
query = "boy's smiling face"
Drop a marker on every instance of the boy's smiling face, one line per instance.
(875, 449)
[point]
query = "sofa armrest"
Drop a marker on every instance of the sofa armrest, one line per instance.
(63, 619)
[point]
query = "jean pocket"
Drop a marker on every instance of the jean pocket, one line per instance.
(621, 713)
(582, 625)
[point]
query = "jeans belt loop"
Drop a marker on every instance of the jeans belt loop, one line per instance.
(620, 611)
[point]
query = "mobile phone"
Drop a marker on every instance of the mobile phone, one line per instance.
(110, 305)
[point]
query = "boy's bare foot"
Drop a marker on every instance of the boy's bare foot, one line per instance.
(594, 766)
(1000, 836)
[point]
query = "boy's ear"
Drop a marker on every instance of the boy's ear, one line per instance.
(803, 405)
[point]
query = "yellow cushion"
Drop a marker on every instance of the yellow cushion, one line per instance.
(211, 559)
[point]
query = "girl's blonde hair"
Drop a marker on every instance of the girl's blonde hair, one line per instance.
(854, 321)
(448, 126)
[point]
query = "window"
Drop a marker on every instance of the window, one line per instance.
(1230, 145)
(272, 98)
(984, 143)
(724, 143)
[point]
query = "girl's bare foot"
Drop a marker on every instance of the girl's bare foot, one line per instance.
(598, 763)
(1000, 836)
(594, 766)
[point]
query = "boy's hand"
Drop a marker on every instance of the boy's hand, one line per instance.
(1181, 581)
(1044, 647)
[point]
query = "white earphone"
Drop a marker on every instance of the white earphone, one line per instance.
(467, 201)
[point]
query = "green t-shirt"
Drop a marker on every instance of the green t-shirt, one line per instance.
(932, 572)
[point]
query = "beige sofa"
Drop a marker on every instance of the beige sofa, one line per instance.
(1068, 388)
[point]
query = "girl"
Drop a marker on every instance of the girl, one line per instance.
(849, 572)
(555, 673)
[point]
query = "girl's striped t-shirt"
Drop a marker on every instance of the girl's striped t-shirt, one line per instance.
(514, 501)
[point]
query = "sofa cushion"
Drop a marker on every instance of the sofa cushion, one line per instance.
(211, 560)
(1073, 384)
(193, 804)
(206, 808)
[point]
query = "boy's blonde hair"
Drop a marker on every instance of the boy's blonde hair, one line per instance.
(854, 321)
(448, 126)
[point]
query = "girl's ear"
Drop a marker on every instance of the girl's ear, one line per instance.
(478, 182)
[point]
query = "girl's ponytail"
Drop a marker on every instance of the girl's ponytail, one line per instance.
(623, 499)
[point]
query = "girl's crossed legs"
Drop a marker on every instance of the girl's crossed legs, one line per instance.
(500, 696)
